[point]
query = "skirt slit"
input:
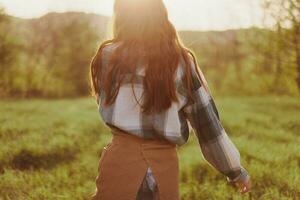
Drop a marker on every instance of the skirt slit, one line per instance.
(123, 169)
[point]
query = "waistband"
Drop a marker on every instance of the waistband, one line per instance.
(123, 135)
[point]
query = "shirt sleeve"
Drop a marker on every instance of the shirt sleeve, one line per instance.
(216, 146)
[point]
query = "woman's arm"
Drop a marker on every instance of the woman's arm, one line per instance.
(216, 146)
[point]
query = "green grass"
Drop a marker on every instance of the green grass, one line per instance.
(49, 149)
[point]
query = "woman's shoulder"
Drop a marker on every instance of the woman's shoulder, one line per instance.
(185, 61)
(106, 49)
(109, 47)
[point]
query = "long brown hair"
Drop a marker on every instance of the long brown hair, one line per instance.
(146, 36)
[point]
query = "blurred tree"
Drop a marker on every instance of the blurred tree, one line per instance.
(293, 8)
(286, 14)
(59, 49)
(278, 54)
(70, 49)
(8, 54)
(237, 56)
(47, 56)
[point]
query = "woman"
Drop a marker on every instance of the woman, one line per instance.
(148, 87)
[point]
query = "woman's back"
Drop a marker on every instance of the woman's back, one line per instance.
(125, 113)
(173, 124)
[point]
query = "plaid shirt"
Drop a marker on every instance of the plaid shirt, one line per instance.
(216, 147)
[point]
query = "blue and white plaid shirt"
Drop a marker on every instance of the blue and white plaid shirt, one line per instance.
(216, 147)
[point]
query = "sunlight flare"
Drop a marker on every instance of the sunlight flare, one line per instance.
(188, 14)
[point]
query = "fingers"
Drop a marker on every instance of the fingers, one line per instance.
(246, 187)
(243, 186)
(245, 190)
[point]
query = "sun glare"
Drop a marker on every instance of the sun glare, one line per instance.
(187, 14)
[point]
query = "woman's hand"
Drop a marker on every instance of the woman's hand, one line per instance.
(244, 186)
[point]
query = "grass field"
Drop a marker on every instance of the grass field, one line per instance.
(49, 149)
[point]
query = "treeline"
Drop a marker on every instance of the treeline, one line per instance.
(49, 56)
(255, 60)
(285, 51)
(246, 61)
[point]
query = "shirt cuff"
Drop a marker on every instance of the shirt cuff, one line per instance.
(242, 177)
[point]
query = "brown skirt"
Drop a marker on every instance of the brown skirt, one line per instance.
(124, 162)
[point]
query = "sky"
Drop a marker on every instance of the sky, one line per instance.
(185, 14)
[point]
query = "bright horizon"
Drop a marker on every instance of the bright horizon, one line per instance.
(186, 15)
